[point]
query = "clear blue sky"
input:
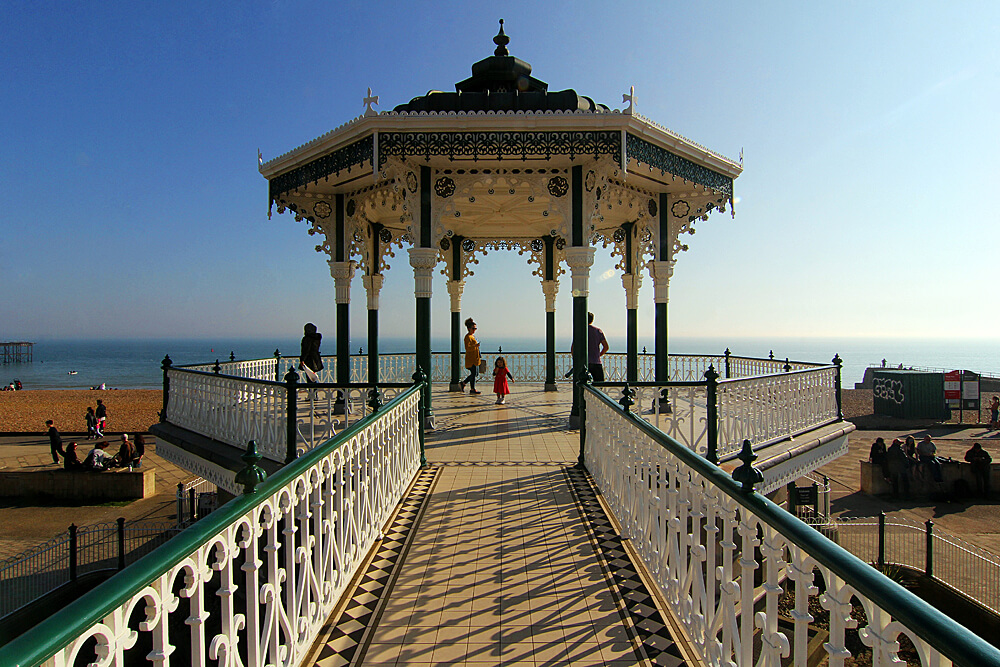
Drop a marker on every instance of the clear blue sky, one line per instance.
(133, 206)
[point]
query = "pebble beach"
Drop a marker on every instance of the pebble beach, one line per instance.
(129, 410)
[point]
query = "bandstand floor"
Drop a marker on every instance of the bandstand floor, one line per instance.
(500, 554)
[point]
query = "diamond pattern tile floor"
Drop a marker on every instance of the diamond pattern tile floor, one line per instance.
(500, 555)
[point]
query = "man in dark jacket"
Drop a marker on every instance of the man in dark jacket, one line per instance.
(310, 361)
(981, 463)
(55, 442)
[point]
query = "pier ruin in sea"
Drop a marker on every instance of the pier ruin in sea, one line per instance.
(16, 352)
(383, 516)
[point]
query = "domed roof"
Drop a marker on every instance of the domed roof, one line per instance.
(501, 82)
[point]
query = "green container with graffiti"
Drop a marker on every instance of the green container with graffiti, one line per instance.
(909, 394)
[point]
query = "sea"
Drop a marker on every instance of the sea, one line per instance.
(136, 364)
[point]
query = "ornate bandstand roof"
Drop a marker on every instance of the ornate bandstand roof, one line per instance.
(500, 150)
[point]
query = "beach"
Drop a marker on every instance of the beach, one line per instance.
(129, 410)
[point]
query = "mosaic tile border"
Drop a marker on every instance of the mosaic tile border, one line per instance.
(654, 635)
(346, 638)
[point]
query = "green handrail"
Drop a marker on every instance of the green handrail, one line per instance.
(937, 629)
(45, 639)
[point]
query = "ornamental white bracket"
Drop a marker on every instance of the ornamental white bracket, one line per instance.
(455, 289)
(580, 259)
(423, 261)
(343, 274)
(550, 288)
(660, 272)
(373, 285)
(632, 282)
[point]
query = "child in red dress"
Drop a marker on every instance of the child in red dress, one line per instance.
(500, 375)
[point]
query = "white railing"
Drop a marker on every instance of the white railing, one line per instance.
(956, 563)
(766, 409)
(763, 409)
(726, 561)
(236, 410)
(254, 582)
(525, 367)
(230, 410)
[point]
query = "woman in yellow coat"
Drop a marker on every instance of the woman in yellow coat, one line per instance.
(472, 358)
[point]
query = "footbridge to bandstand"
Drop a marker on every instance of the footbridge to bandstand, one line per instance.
(355, 535)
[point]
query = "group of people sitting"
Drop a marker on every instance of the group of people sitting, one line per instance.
(129, 455)
(903, 459)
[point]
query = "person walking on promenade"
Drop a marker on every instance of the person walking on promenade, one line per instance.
(500, 375)
(995, 412)
(310, 360)
(472, 357)
(55, 441)
(981, 463)
(91, 423)
(898, 468)
(102, 418)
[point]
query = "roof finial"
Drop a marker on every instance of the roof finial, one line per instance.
(501, 40)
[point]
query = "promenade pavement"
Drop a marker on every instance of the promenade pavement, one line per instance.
(975, 520)
(507, 559)
(26, 525)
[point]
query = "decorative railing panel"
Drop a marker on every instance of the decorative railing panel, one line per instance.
(254, 582)
(765, 409)
(230, 410)
(727, 562)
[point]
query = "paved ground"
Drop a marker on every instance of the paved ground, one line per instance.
(24, 526)
(977, 521)
(503, 568)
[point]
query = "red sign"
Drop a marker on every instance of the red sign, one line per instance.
(953, 386)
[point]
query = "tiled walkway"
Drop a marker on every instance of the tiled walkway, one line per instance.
(501, 556)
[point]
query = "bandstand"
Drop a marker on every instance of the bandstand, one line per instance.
(502, 163)
(352, 533)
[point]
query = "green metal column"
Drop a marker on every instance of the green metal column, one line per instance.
(550, 314)
(577, 241)
(631, 319)
(457, 367)
(373, 347)
(343, 309)
(423, 313)
(663, 254)
(375, 287)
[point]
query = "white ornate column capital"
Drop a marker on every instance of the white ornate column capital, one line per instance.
(343, 274)
(423, 261)
(660, 272)
(580, 259)
(632, 282)
(550, 288)
(455, 289)
(373, 285)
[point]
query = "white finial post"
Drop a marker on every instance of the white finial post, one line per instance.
(630, 98)
(368, 102)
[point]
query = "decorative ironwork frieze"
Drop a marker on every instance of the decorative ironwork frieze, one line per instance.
(344, 159)
(669, 163)
(499, 145)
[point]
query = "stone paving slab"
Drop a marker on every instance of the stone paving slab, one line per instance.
(503, 567)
